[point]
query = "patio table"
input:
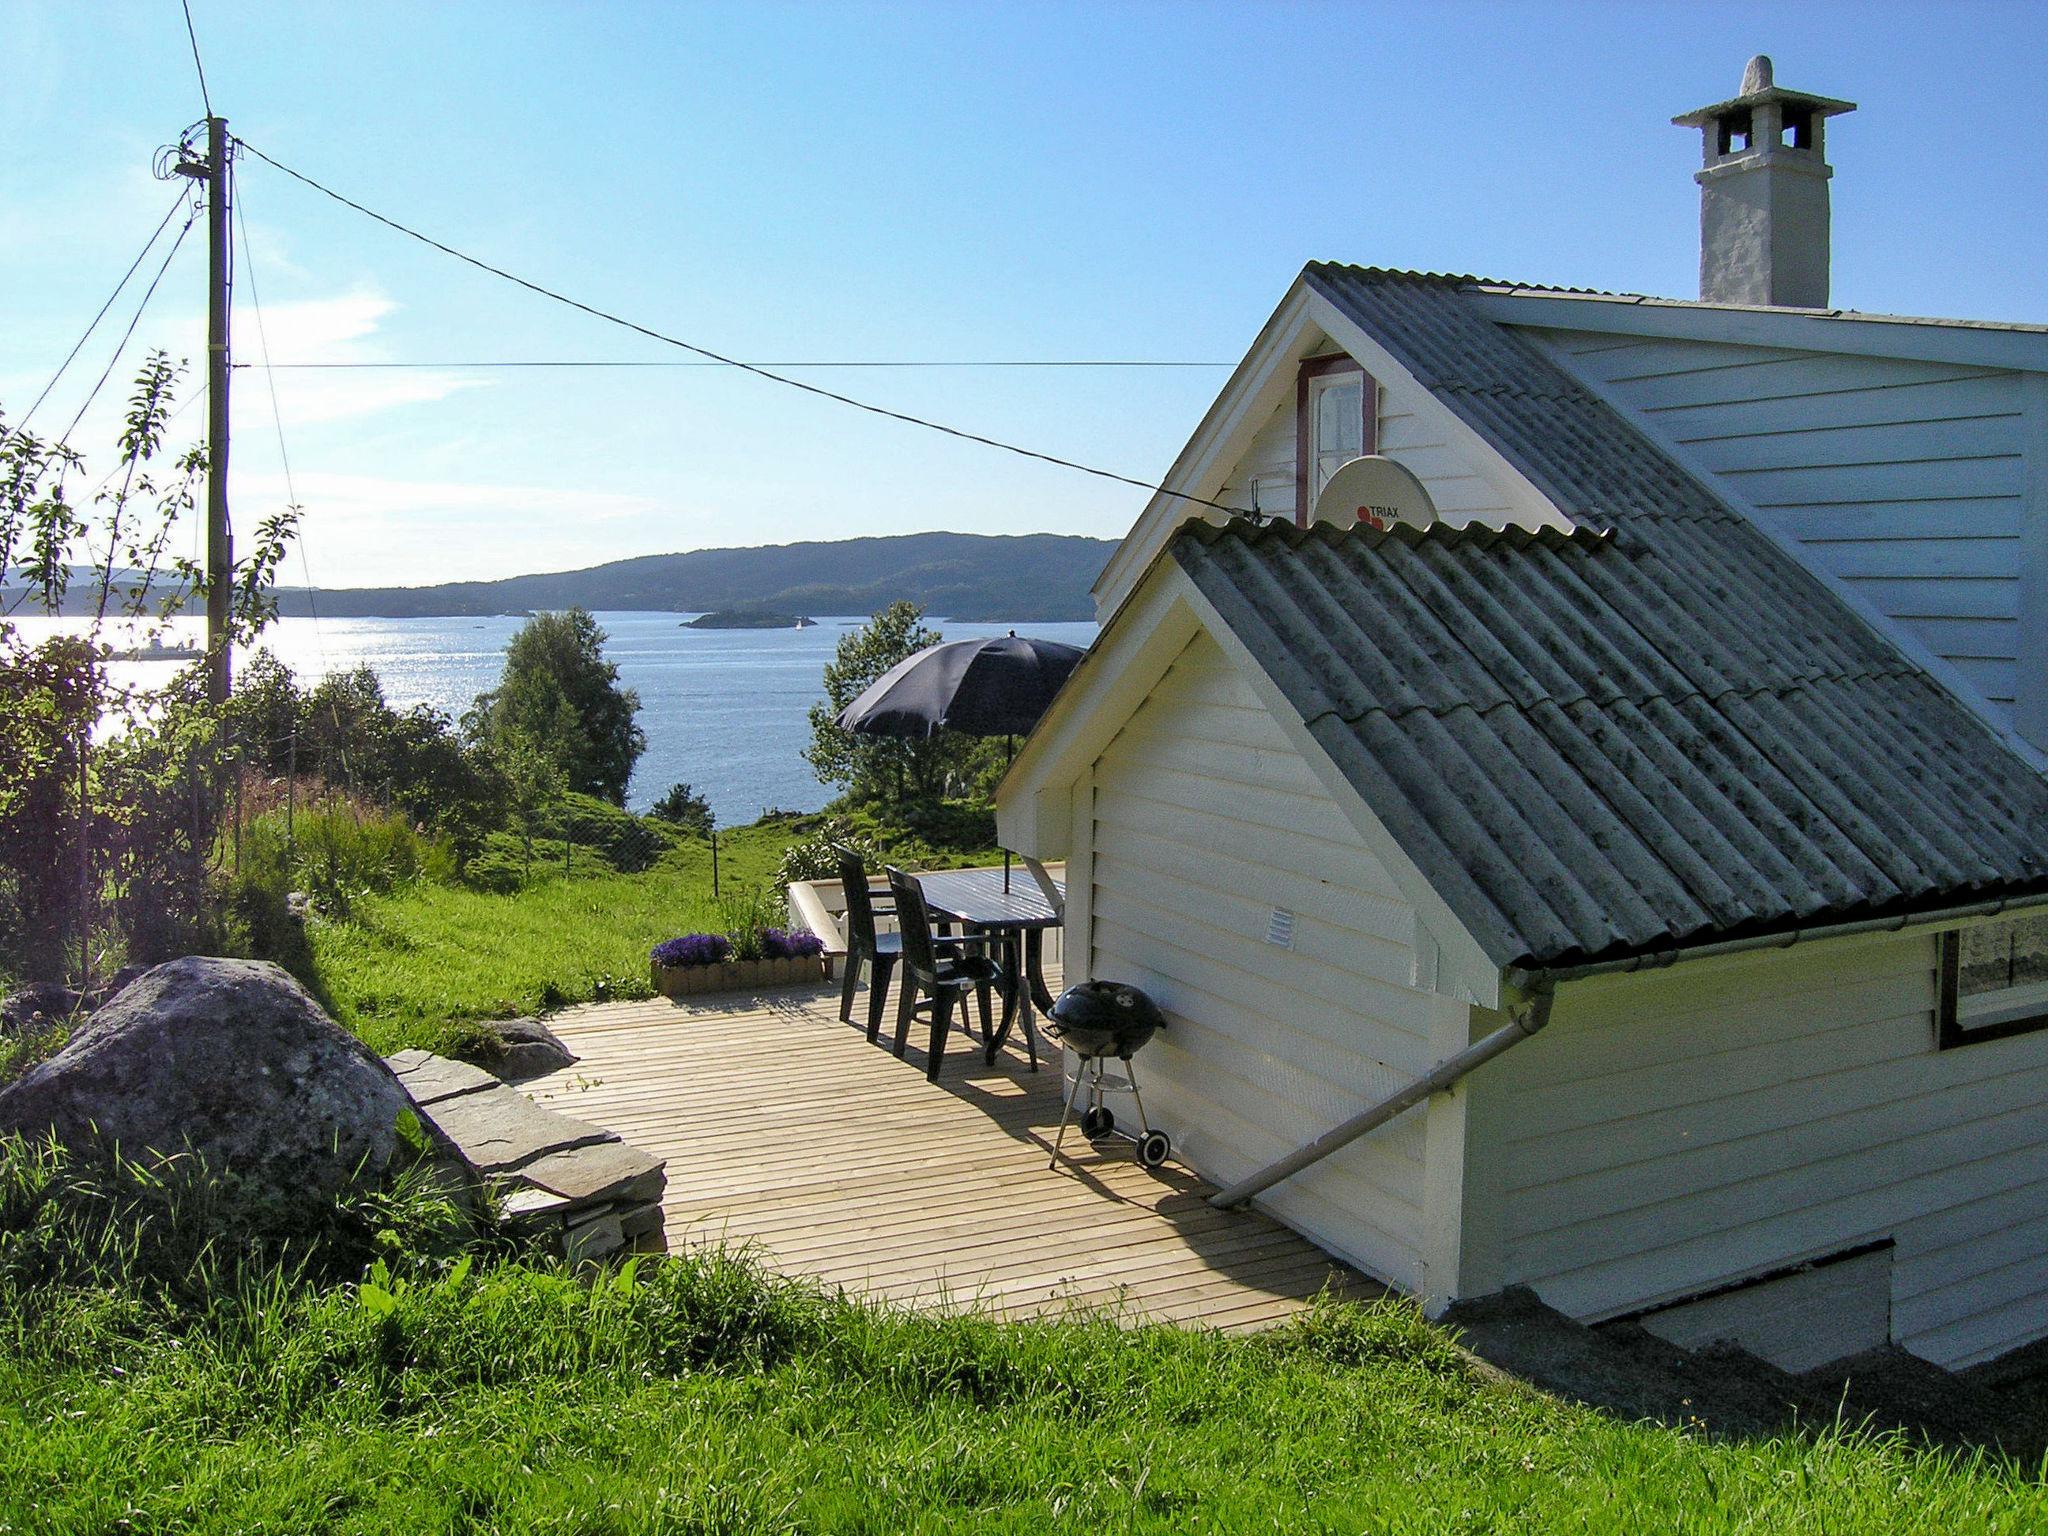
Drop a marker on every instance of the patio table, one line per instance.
(976, 900)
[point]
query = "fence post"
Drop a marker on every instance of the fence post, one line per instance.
(291, 788)
(235, 767)
(84, 865)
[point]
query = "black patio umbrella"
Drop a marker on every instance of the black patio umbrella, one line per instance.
(996, 687)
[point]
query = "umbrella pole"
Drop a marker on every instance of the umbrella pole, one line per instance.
(1009, 751)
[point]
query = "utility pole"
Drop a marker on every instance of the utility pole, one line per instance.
(220, 539)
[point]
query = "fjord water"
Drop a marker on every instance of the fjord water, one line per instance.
(723, 709)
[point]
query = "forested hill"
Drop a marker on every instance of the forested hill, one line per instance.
(967, 576)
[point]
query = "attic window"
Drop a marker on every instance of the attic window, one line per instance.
(1336, 419)
(1994, 981)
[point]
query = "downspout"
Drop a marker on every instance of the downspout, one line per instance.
(1538, 985)
(1523, 1022)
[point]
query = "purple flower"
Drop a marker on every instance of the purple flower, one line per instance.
(790, 944)
(693, 949)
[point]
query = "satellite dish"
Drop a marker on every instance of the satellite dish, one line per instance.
(1377, 492)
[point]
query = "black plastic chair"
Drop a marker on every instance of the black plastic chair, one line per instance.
(940, 971)
(880, 951)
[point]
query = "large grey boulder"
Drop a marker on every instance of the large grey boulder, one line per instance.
(231, 1058)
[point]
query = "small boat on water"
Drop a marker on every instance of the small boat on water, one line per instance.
(156, 650)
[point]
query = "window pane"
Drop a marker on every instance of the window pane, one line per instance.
(2000, 955)
(2001, 977)
(1984, 966)
(2029, 951)
(1340, 419)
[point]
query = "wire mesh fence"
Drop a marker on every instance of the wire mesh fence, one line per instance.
(131, 847)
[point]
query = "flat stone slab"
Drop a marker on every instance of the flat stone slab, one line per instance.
(593, 1239)
(499, 1129)
(609, 1172)
(430, 1078)
(640, 1220)
(558, 1173)
(529, 1206)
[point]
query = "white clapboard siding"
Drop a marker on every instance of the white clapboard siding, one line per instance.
(1410, 431)
(1798, 1321)
(1204, 820)
(1673, 1133)
(1269, 464)
(1907, 480)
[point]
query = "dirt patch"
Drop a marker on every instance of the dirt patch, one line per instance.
(1727, 1392)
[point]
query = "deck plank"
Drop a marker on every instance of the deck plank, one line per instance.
(787, 1132)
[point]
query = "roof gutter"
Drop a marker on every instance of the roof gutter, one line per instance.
(1538, 986)
(1552, 975)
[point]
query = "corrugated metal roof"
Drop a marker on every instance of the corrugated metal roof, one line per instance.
(1662, 732)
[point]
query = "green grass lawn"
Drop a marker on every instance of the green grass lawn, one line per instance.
(702, 1396)
(411, 967)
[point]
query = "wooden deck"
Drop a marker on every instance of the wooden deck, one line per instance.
(784, 1129)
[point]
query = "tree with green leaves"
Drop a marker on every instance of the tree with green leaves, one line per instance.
(105, 834)
(894, 774)
(562, 697)
(685, 808)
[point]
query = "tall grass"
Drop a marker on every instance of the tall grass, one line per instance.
(338, 851)
(703, 1395)
(168, 1363)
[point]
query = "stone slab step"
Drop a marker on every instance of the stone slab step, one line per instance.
(557, 1173)
(612, 1171)
(430, 1078)
(500, 1129)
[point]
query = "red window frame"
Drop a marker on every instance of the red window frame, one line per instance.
(1311, 369)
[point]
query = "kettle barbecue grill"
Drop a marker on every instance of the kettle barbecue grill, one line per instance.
(1098, 1020)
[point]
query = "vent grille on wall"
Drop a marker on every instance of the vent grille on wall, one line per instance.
(1280, 928)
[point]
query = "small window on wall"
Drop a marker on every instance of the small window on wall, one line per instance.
(1994, 980)
(1336, 420)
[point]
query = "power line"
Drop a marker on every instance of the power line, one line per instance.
(603, 362)
(79, 346)
(133, 320)
(194, 36)
(719, 357)
(277, 420)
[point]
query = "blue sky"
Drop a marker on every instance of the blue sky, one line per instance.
(895, 182)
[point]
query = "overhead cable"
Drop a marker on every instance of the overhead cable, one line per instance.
(607, 362)
(722, 359)
(78, 346)
(133, 320)
(291, 493)
(191, 33)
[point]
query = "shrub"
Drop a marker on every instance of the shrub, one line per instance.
(693, 949)
(338, 852)
(790, 944)
(816, 857)
(684, 807)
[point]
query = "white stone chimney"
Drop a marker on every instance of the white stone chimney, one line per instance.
(1764, 194)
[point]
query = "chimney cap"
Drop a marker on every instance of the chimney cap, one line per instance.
(1758, 87)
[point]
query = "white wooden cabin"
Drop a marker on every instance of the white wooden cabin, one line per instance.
(1721, 764)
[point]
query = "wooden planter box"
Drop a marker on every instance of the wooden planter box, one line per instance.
(737, 975)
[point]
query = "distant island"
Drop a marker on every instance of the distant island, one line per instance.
(970, 577)
(974, 578)
(748, 618)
